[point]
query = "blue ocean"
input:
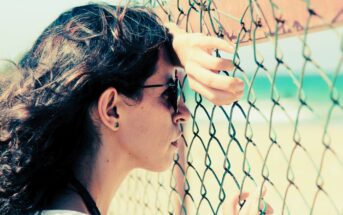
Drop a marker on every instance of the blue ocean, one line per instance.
(317, 93)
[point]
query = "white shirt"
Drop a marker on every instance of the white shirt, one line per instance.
(60, 212)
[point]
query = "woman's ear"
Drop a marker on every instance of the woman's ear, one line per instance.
(107, 108)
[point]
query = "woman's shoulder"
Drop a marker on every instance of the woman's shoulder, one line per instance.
(59, 212)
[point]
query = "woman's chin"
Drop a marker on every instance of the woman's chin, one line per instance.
(162, 166)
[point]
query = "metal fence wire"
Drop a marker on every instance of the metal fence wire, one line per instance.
(284, 135)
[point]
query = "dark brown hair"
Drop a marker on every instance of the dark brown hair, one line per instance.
(45, 124)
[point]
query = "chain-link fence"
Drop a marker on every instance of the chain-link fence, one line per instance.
(285, 134)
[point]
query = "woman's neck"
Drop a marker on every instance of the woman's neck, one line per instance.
(70, 198)
(101, 176)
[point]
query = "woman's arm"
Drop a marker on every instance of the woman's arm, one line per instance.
(194, 52)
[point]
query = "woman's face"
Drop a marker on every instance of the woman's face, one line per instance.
(148, 129)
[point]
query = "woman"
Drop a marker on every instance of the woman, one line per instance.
(97, 96)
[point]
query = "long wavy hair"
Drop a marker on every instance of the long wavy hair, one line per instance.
(45, 124)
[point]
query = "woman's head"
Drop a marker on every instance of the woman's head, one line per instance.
(147, 130)
(85, 74)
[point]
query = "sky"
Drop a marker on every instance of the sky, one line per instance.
(22, 21)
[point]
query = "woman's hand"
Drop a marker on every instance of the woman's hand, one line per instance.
(194, 51)
(251, 205)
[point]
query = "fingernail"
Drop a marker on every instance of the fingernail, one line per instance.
(240, 85)
(239, 81)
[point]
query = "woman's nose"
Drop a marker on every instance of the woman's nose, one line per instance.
(182, 115)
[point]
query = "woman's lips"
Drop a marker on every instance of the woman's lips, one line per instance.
(175, 143)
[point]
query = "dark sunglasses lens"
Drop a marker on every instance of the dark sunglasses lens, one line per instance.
(173, 96)
(177, 95)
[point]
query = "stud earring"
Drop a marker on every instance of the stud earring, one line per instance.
(116, 125)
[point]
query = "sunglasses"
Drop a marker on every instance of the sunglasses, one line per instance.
(173, 92)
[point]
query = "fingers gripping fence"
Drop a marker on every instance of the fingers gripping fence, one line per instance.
(284, 135)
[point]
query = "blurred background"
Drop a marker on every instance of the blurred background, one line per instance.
(285, 133)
